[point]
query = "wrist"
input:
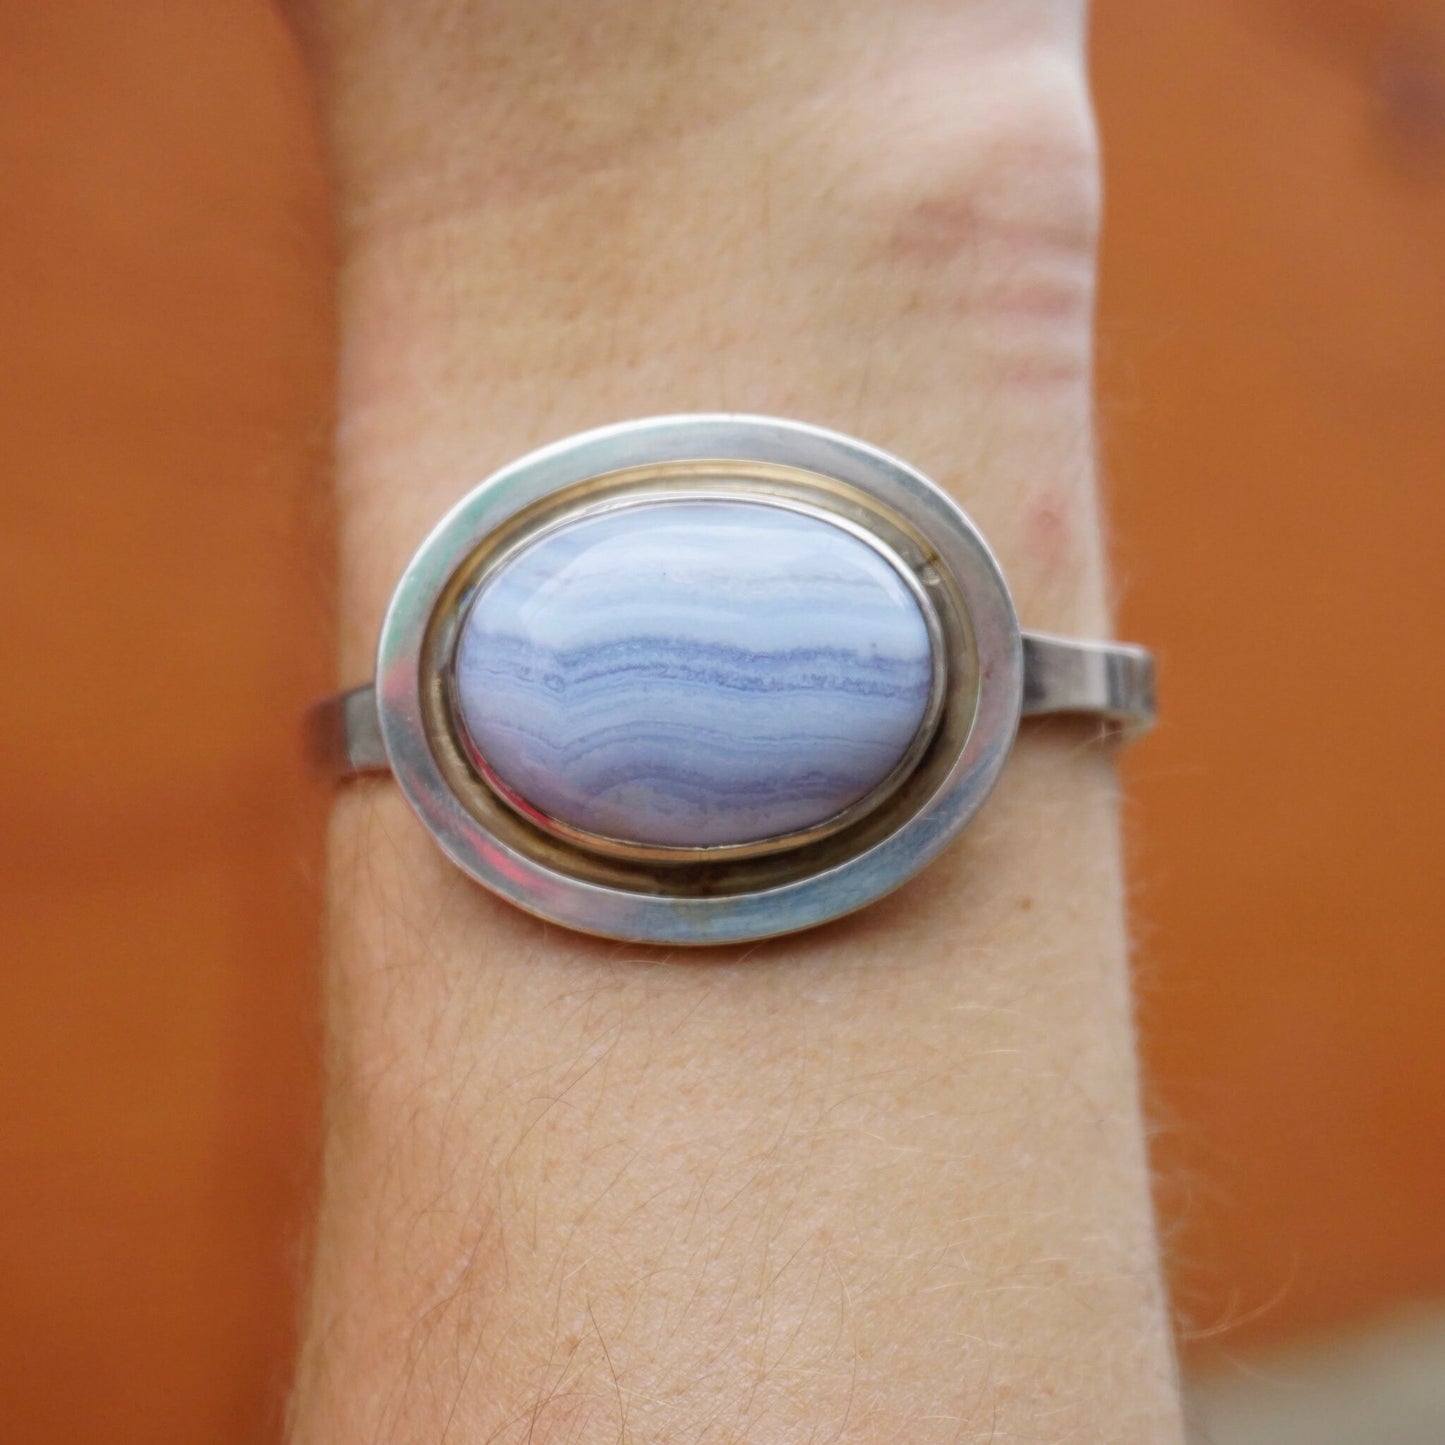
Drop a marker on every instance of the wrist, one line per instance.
(572, 1189)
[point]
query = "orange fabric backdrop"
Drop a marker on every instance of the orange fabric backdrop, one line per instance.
(1272, 354)
(1272, 393)
(164, 378)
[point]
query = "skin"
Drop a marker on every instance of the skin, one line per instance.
(883, 1181)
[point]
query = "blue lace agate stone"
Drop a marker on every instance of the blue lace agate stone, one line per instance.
(693, 673)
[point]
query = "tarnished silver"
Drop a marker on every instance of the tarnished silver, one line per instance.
(1113, 681)
(344, 735)
(990, 675)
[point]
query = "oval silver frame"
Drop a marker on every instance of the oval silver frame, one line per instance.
(722, 899)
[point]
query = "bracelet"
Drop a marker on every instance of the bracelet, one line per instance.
(704, 679)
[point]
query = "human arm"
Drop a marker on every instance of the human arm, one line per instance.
(881, 1181)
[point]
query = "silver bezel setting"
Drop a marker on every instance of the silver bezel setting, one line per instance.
(711, 895)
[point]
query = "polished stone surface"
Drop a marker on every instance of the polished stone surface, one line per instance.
(694, 673)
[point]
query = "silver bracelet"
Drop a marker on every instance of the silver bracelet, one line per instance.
(703, 679)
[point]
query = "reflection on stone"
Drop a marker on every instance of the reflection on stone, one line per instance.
(694, 673)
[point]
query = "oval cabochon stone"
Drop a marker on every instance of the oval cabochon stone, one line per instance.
(693, 673)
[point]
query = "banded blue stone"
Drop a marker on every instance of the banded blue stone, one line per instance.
(694, 672)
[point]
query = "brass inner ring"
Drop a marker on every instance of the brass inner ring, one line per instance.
(741, 868)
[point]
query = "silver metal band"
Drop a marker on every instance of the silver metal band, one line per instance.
(1111, 681)
(343, 735)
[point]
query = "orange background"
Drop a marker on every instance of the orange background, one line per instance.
(1272, 390)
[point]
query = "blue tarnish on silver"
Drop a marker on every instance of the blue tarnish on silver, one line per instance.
(694, 673)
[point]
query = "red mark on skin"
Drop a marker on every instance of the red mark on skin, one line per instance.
(942, 227)
(936, 230)
(1048, 531)
(1031, 290)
